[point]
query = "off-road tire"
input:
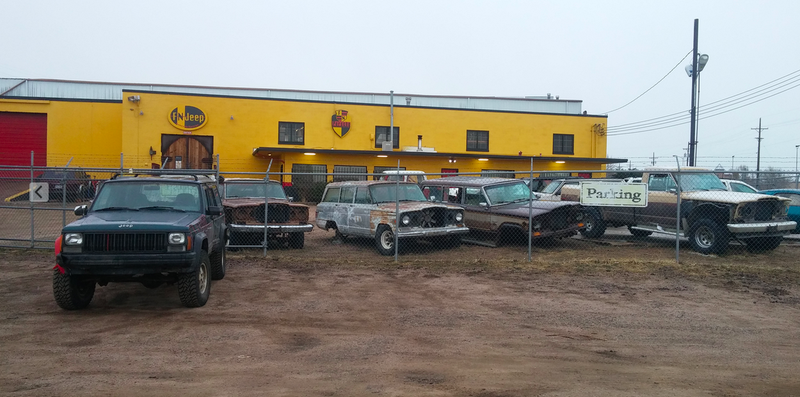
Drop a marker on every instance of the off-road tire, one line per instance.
(384, 240)
(70, 292)
(708, 237)
(763, 244)
(594, 225)
(219, 264)
(194, 287)
(297, 240)
(639, 233)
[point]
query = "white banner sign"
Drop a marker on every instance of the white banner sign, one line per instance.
(614, 194)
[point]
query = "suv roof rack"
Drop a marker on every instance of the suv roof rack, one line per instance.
(161, 173)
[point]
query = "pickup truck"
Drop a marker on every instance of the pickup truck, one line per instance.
(710, 216)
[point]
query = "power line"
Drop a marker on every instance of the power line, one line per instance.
(659, 81)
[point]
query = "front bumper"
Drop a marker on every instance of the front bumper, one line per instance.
(431, 232)
(761, 228)
(271, 229)
(127, 264)
(566, 232)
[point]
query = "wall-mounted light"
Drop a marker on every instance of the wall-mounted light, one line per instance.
(134, 98)
(483, 159)
(152, 152)
(141, 113)
(382, 155)
(310, 154)
(231, 117)
(451, 160)
(560, 162)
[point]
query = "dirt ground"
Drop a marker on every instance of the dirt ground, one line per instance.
(617, 317)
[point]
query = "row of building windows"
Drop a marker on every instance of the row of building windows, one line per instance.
(477, 141)
(309, 173)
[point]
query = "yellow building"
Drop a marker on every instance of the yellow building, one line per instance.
(97, 124)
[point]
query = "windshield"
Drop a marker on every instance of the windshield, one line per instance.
(386, 193)
(508, 193)
(138, 195)
(708, 181)
(255, 190)
(551, 187)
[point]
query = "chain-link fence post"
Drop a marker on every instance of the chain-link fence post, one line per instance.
(266, 208)
(63, 198)
(530, 213)
(678, 213)
(31, 203)
(396, 211)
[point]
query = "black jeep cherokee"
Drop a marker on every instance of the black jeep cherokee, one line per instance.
(151, 229)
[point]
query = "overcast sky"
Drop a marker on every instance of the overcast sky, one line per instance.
(605, 53)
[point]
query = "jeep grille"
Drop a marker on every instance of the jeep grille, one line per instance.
(124, 242)
(278, 213)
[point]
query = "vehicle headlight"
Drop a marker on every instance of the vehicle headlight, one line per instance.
(176, 238)
(406, 220)
(537, 225)
(73, 239)
(459, 216)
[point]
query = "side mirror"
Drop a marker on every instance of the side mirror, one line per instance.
(483, 204)
(673, 191)
(432, 198)
(214, 211)
(291, 199)
(81, 210)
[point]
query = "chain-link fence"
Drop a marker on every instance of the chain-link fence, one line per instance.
(513, 214)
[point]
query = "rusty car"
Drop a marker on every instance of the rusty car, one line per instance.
(372, 209)
(497, 210)
(245, 211)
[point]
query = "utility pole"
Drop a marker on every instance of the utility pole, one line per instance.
(758, 158)
(692, 138)
(654, 159)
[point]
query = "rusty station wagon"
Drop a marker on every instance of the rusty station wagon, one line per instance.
(497, 209)
(368, 209)
(244, 200)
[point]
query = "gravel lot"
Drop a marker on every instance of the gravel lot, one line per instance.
(610, 318)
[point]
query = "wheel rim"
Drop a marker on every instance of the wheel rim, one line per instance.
(704, 237)
(387, 239)
(588, 224)
(202, 278)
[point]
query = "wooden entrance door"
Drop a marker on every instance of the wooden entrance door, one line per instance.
(187, 152)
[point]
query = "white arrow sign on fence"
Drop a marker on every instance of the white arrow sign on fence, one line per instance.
(40, 192)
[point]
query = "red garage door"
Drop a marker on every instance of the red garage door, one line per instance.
(21, 133)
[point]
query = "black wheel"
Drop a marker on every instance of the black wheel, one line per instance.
(297, 240)
(218, 264)
(384, 240)
(194, 287)
(763, 244)
(708, 237)
(639, 233)
(71, 292)
(594, 225)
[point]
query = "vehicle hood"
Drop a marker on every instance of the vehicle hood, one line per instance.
(254, 202)
(538, 208)
(406, 206)
(720, 196)
(149, 221)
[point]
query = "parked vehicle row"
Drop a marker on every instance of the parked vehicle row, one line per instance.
(158, 228)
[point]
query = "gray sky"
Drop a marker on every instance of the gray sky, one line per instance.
(605, 53)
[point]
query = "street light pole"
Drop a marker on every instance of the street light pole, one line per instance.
(796, 175)
(694, 89)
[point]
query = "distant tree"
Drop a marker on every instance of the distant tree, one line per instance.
(626, 174)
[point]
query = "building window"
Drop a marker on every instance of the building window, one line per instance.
(349, 169)
(477, 141)
(382, 135)
(291, 133)
(318, 170)
(563, 144)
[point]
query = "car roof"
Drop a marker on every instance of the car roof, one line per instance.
(161, 178)
(248, 180)
(368, 183)
(770, 191)
(401, 172)
(470, 181)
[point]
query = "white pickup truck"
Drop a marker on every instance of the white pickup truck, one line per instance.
(710, 215)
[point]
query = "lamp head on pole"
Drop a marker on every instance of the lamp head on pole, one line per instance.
(702, 60)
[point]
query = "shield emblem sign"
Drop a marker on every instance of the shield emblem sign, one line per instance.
(340, 121)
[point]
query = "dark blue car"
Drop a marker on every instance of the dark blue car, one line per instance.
(794, 206)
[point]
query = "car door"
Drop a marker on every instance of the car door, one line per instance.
(217, 229)
(360, 214)
(476, 216)
(662, 202)
(343, 210)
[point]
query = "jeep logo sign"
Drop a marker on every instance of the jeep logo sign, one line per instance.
(187, 118)
(340, 122)
(614, 194)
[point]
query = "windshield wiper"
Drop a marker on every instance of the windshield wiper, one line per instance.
(116, 209)
(160, 207)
